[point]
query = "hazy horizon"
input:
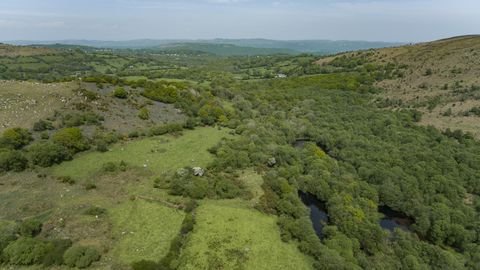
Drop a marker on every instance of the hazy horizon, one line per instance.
(123, 20)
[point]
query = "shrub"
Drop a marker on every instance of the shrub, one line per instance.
(46, 154)
(110, 167)
(30, 228)
(89, 185)
(120, 92)
(91, 96)
(55, 255)
(164, 129)
(161, 92)
(79, 119)
(66, 180)
(95, 211)
(81, 256)
(72, 139)
(101, 146)
(26, 251)
(42, 125)
(144, 114)
(12, 160)
(15, 138)
(7, 236)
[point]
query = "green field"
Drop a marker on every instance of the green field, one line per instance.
(144, 230)
(159, 154)
(229, 236)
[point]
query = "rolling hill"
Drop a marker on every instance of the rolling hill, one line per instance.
(441, 79)
(291, 46)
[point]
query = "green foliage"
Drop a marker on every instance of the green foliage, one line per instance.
(66, 180)
(48, 153)
(27, 251)
(81, 256)
(78, 119)
(7, 236)
(15, 138)
(144, 114)
(223, 186)
(120, 92)
(30, 228)
(55, 255)
(162, 91)
(165, 129)
(72, 139)
(43, 125)
(12, 160)
(89, 95)
(95, 211)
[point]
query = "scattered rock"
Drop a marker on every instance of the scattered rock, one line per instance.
(271, 162)
(197, 171)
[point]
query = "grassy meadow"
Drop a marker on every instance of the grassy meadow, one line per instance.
(156, 154)
(230, 236)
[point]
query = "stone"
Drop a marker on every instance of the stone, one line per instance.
(197, 171)
(271, 162)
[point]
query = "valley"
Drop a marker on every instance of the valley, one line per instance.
(145, 160)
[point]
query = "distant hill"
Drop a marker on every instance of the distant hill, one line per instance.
(441, 79)
(309, 46)
(12, 51)
(221, 49)
(293, 46)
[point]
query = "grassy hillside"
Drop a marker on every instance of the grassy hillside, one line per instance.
(228, 236)
(441, 79)
(12, 51)
(24, 103)
(223, 49)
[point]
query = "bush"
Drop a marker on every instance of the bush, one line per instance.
(95, 211)
(72, 139)
(144, 114)
(79, 119)
(55, 255)
(46, 154)
(42, 125)
(12, 160)
(120, 92)
(101, 146)
(169, 128)
(81, 256)
(15, 138)
(26, 251)
(30, 228)
(7, 236)
(162, 92)
(66, 180)
(89, 185)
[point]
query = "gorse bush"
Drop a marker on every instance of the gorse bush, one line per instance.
(81, 256)
(144, 114)
(30, 228)
(120, 92)
(72, 139)
(26, 251)
(12, 160)
(43, 125)
(79, 119)
(48, 153)
(15, 138)
(55, 255)
(162, 91)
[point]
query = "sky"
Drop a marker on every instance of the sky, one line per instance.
(372, 20)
